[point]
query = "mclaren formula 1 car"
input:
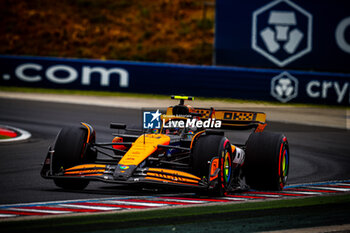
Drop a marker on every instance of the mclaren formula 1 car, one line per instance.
(188, 149)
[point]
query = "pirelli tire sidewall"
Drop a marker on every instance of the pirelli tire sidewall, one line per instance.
(225, 164)
(266, 164)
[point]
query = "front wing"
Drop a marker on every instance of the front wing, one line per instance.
(107, 173)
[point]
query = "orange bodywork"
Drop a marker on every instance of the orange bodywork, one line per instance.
(170, 181)
(172, 176)
(86, 170)
(173, 173)
(143, 147)
(260, 128)
(233, 148)
(213, 168)
(88, 129)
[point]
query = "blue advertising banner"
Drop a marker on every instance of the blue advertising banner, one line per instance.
(157, 78)
(286, 34)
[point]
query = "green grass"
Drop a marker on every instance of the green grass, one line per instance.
(161, 217)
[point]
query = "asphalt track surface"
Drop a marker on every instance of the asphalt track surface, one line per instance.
(317, 153)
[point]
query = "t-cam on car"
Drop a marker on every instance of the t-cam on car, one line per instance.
(190, 156)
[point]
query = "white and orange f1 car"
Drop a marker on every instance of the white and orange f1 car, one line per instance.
(181, 153)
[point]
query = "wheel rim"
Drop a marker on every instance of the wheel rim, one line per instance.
(283, 163)
(227, 167)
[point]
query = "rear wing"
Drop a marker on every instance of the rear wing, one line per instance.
(234, 119)
(230, 119)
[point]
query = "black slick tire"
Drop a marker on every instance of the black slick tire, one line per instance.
(71, 149)
(267, 161)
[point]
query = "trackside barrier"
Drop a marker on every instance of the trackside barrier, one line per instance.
(156, 78)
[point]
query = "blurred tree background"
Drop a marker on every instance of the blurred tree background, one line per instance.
(173, 31)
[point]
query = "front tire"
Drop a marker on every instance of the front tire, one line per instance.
(205, 149)
(267, 161)
(71, 149)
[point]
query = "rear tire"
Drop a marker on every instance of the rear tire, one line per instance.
(71, 149)
(267, 161)
(205, 149)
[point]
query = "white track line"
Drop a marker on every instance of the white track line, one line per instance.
(7, 215)
(66, 201)
(328, 188)
(77, 206)
(137, 203)
(181, 201)
(236, 198)
(301, 192)
(40, 211)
